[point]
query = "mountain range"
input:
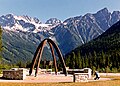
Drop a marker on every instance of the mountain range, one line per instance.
(101, 53)
(22, 34)
(108, 42)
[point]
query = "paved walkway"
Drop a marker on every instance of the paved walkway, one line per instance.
(49, 78)
(109, 74)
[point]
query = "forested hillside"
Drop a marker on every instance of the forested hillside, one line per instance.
(0, 44)
(22, 33)
(102, 53)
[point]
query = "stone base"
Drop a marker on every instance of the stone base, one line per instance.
(18, 74)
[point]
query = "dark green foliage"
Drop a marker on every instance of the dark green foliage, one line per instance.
(21, 64)
(20, 46)
(0, 43)
(102, 53)
(3, 65)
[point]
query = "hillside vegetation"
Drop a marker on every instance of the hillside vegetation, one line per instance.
(102, 53)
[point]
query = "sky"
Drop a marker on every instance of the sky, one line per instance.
(61, 9)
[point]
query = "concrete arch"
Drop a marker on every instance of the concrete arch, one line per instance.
(38, 55)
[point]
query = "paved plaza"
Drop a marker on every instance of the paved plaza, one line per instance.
(49, 78)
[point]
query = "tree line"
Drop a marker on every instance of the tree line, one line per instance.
(103, 62)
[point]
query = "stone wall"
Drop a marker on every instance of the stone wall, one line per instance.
(84, 71)
(19, 74)
(80, 78)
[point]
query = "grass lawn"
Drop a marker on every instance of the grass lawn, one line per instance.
(115, 82)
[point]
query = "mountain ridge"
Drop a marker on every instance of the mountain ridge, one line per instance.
(69, 34)
(101, 53)
(82, 29)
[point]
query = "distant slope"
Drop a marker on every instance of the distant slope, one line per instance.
(79, 30)
(22, 34)
(102, 53)
(107, 42)
(21, 46)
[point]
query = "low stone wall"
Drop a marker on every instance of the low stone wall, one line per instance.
(84, 71)
(80, 77)
(19, 74)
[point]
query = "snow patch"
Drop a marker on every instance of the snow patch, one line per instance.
(65, 23)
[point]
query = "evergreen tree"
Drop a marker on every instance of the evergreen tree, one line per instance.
(94, 59)
(86, 62)
(0, 43)
(67, 60)
(90, 60)
(72, 61)
(102, 60)
(83, 62)
(79, 60)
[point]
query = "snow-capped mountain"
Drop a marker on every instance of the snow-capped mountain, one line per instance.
(78, 30)
(68, 34)
(53, 21)
(25, 23)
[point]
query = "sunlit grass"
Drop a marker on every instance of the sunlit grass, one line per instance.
(114, 82)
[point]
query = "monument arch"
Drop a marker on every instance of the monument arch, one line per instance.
(38, 55)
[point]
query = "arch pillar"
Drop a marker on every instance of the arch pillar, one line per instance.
(54, 58)
(38, 54)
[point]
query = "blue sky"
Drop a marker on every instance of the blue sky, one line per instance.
(61, 9)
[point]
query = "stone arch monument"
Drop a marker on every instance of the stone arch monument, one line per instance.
(38, 55)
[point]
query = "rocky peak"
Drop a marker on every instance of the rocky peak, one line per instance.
(115, 17)
(104, 10)
(30, 19)
(7, 20)
(53, 21)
